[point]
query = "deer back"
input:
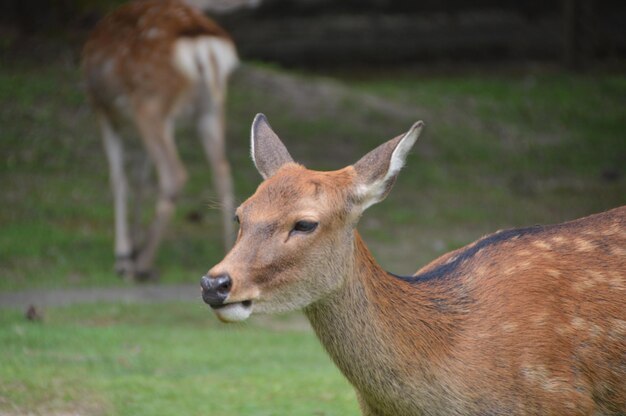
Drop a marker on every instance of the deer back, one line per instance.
(155, 50)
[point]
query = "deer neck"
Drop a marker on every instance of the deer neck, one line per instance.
(384, 334)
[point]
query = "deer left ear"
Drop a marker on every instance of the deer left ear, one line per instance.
(268, 152)
(377, 171)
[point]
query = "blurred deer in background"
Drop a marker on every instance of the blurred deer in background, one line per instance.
(145, 63)
(529, 321)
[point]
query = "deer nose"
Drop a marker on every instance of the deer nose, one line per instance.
(215, 289)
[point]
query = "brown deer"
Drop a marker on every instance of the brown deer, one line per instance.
(529, 321)
(146, 62)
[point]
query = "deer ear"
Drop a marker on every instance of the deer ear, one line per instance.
(268, 152)
(377, 171)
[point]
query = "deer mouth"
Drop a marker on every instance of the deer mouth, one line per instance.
(233, 312)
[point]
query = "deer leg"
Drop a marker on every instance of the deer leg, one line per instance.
(142, 182)
(210, 126)
(159, 141)
(114, 149)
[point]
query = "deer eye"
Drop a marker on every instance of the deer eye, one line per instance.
(236, 219)
(305, 226)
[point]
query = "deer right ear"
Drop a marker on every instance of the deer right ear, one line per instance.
(267, 151)
(377, 171)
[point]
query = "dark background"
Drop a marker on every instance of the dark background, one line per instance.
(323, 33)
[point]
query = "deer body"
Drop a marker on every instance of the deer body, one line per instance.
(480, 338)
(147, 62)
(521, 322)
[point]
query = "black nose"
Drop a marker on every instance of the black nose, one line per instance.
(215, 289)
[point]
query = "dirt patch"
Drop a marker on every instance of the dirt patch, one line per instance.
(309, 98)
(152, 293)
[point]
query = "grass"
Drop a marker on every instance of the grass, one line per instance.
(566, 123)
(113, 359)
(498, 151)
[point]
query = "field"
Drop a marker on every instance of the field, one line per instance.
(500, 149)
(164, 360)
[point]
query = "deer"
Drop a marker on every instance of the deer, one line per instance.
(144, 64)
(528, 321)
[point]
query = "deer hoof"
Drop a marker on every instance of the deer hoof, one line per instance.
(125, 266)
(143, 276)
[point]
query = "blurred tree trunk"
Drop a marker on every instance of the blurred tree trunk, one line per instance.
(578, 33)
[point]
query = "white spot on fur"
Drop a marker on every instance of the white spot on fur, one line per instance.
(153, 33)
(193, 57)
(583, 245)
(509, 327)
(540, 375)
(542, 245)
(510, 270)
(541, 318)
(553, 273)
(619, 326)
(579, 323)
(618, 251)
(616, 281)
(595, 330)
(583, 284)
(597, 276)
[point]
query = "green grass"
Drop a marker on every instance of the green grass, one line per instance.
(568, 124)
(163, 360)
(498, 151)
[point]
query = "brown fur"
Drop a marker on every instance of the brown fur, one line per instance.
(512, 333)
(518, 323)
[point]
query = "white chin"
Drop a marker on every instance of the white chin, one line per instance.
(233, 312)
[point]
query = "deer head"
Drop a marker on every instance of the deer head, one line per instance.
(296, 233)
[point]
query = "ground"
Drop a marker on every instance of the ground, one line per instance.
(163, 359)
(500, 149)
